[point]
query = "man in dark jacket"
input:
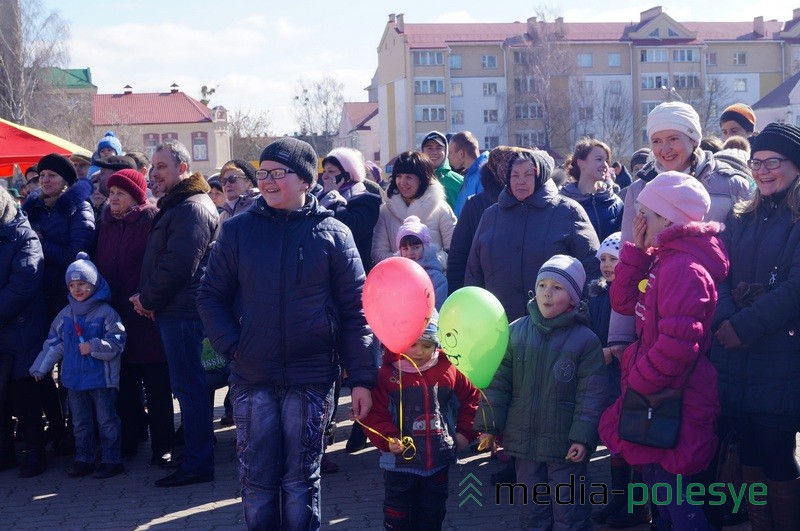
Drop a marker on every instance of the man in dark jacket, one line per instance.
(281, 299)
(177, 250)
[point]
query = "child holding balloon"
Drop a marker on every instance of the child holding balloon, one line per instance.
(548, 394)
(422, 413)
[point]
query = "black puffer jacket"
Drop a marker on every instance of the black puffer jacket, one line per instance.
(282, 292)
(23, 324)
(178, 245)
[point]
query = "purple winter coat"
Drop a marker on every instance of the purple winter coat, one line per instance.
(120, 251)
(673, 324)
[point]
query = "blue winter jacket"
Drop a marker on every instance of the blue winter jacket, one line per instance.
(281, 298)
(472, 182)
(604, 209)
(93, 321)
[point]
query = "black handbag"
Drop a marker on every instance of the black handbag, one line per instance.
(651, 420)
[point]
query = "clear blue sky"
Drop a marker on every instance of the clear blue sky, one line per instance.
(255, 53)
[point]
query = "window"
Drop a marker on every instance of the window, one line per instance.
(429, 86)
(672, 33)
(490, 142)
(689, 55)
(520, 58)
(648, 106)
(524, 84)
(456, 90)
(169, 136)
(199, 146)
(615, 87)
(740, 85)
(654, 55)
(686, 81)
(455, 62)
(615, 113)
(615, 60)
(490, 89)
(585, 87)
(490, 116)
(150, 144)
(654, 33)
(530, 138)
(457, 117)
(711, 58)
(489, 61)
(428, 58)
(740, 58)
(654, 81)
(585, 113)
(528, 111)
(585, 60)
(429, 113)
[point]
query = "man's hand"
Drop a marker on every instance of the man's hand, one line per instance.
(137, 305)
(576, 453)
(362, 402)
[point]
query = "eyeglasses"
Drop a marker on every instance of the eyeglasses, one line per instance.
(230, 179)
(277, 174)
(772, 163)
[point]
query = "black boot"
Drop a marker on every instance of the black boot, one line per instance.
(8, 457)
(34, 463)
(623, 519)
(620, 474)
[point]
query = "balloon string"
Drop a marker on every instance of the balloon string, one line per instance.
(409, 448)
(482, 446)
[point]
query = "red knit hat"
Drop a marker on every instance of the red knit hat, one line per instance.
(132, 182)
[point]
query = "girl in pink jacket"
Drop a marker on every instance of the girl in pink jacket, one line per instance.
(666, 279)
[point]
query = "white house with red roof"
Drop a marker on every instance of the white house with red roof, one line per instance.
(144, 120)
(358, 129)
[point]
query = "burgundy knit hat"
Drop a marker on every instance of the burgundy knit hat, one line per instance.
(132, 182)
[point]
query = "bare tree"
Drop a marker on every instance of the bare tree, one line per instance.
(615, 119)
(31, 39)
(318, 110)
(250, 133)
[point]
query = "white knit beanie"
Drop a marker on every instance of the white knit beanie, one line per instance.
(611, 245)
(677, 116)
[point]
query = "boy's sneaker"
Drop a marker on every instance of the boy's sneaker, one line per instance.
(108, 470)
(78, 469)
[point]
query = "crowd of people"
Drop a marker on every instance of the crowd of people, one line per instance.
(671, 283)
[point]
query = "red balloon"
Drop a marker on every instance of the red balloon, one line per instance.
(398, 302)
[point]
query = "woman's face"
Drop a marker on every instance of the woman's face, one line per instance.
(655, 225)
(119, 200)
(773, 181)
(407, 184)
(595, 166)
(52, 184)
(522, 181)
(672, 149)
(234, 183)
(329, 174)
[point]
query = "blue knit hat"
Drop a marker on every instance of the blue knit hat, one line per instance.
(82, 269)
(111, 141)
(431, 332)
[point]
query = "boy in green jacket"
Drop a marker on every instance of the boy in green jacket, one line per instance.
(434, 145)
(547, 397)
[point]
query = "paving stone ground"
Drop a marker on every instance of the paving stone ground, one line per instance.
(352, 498)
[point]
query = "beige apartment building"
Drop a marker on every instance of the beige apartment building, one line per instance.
(546, 84)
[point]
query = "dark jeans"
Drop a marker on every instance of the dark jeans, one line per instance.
(769, 448)
(183, 343)
(572, 514)
(279, 440)
(84, 405)
(160, 413)
(413, 501)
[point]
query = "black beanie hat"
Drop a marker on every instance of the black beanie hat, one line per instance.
(60, 165)
(780, 138)
(294, 154)
(247, 168)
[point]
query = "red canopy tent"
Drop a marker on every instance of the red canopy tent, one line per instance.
(25, 146)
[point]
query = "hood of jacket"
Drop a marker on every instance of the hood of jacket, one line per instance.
(539, 199)
(8, 209)
(430, 258)
(422, 207)
(605, 195)
(706, 163)
(598, 286)
(68, 202)
(193, 185)
(101, 295)
(699, 239)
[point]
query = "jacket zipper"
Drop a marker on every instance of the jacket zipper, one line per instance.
(282, 306)
(299, 264)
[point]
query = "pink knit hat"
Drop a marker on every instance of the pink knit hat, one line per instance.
(676, 196)
(412, 226)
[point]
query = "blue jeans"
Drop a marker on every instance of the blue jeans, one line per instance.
(104, 400)
(279, 439)
(183, 343)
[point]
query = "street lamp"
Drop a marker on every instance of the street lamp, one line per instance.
(671, 92)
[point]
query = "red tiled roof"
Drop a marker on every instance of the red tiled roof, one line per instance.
(439, 35)
(148, 108)
(358, 111)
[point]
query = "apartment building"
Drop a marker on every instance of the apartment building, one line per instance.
(546, 84)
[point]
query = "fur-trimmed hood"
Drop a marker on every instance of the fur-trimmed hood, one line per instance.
(193, 185)
(698, 239)
(67, 203)
(422, 207)
(8, 208)
(598, 286)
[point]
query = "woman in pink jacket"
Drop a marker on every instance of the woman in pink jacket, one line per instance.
(666, 279)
